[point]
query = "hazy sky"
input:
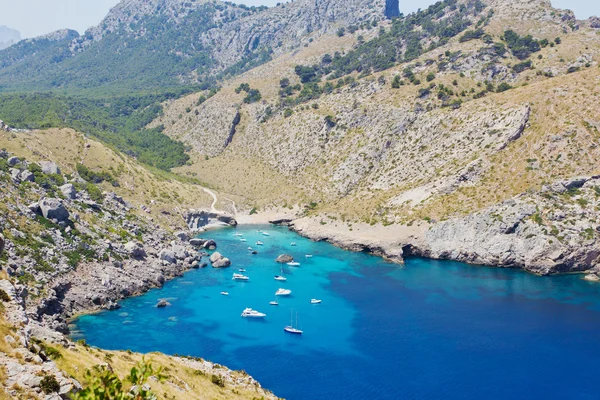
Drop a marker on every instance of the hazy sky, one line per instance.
(37, 17)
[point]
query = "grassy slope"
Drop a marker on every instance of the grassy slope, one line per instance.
(138, 184)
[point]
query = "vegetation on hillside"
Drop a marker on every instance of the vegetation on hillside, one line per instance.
(118, 121)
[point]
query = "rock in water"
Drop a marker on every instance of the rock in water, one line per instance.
(284, 259)
(162, 304)
(218, 261)
(54, 209)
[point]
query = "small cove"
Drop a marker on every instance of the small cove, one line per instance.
(430, 329)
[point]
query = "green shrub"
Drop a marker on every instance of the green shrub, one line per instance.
(49, 384)
(217, 380)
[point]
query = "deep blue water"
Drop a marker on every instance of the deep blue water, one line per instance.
(428, 330)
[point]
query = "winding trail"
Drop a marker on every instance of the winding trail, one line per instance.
(215, 199)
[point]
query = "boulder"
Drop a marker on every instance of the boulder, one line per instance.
(12, 161)
(180, 252)
(284, 259)
(197, 242)
(68, 190)
(218, 261)
(168, 256)
(222, 263)
(34, 207)
(49, 168)
(210, 244)
(135, 250)
(181, 235)
(15, 175)
(26, 176)
(162, 304)
(592, 278)
(54, 209)
(594, 22)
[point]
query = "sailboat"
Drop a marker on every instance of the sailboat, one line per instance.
(290, 328)
(280, 278)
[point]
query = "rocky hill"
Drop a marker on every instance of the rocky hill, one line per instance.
(8, 36)
(176, 42)
(475, 104)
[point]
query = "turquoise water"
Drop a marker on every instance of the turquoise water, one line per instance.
(428, 330)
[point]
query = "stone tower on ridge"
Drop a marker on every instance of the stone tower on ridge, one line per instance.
(392, 8)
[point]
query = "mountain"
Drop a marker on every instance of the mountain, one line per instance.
(174, 43)
(8, 36)
(442, 115)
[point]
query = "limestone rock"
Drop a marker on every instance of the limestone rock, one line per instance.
(284, 259)
(12, 161)
(26, 176)
(162, 304)
(53, 209)
(49, 168)
(181, 235)
(68, 190)
(168, 256)
(135, 250)
(198, 219)
(218, 261)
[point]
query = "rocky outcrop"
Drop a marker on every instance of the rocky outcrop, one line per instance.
(49, 168)
(594, 22)
(208, 244)
(284, 259)
(68, 190)
(135, 250)
(53, 209)
(544, 233)
(198, 220)
(1, 243)
(218, 261)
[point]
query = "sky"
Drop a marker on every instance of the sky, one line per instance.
(37, 17)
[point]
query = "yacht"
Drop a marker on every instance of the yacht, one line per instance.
(315, 301)
(250, 249)
(308, 256)
(243, 240)
(238, 234)
(293, 244)
(242, 270)
(259, 243)
(265, 234)
(293, 264)
(283, 292)
(240, 277)
(274, 303)
(280, 278)
(225, 293)
(250, 313)
(290, 328)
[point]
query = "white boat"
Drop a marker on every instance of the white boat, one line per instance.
(308, 256)
(242, 270)
(265, 234)
(274, 303)
(250, 313)
(250, 249)
(293, 264)
(238, 234)
(240, 277)
(293, 244)
(283, 292)
(315, 301)
(259, 243)
(243, 240)
(280, 278)
(290, 328)
(224, 293)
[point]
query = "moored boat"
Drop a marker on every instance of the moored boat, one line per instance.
(315, 301)
(240, 277)
(283, 292)
(250, 313)
(293, 264)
